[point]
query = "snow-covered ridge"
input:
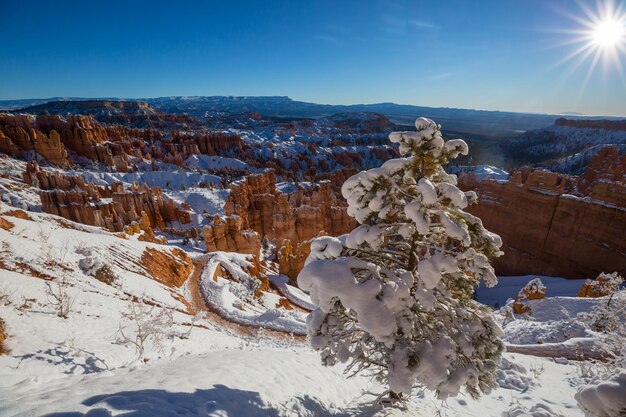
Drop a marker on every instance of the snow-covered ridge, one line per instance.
(481, 172)
(564, 148)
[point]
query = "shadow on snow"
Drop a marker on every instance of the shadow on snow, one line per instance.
(219, 400)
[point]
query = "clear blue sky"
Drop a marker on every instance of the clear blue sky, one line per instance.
(496, 55)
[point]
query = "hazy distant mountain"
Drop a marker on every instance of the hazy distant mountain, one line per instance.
(493, 124)
(480, 122)
(28, 102)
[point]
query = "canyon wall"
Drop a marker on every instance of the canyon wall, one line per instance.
(548, 231)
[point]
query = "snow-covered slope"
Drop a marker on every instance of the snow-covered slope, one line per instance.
(133, 344)
(201, 364)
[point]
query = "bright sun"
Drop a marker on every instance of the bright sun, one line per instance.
(608, 33)
(599, 38)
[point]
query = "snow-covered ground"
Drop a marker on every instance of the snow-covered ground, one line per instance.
(196, 363)
(81, 366)
(165, 179)
(204, 203)
(217, 163)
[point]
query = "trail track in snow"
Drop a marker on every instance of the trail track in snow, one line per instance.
(198, 302)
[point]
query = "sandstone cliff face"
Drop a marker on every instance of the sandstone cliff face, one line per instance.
(604, 178)
(208, 144)
(86, 137)
(547, 231)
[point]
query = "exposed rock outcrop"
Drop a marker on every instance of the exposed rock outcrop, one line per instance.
(18, 135)
(3, 337)
(171, 267)
(534, 290)
(86, 137)
(51, 136)
(6, 224)
(209, 144)
(603, 285)
(604, 178)
(254, 204)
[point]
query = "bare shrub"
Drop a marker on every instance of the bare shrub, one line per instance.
(5, 297)
(47, 254)
(149, 324)
(25, 304)
(609, 319)
(59, 298)
(185, 335)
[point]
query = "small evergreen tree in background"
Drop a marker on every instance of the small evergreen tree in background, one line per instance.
(394, 296)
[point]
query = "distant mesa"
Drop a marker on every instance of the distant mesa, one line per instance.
(593, 123)
(92, 107)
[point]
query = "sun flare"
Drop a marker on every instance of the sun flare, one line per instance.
(608, 33)
(600, 38)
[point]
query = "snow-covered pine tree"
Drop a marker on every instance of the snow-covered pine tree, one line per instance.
(394, 296)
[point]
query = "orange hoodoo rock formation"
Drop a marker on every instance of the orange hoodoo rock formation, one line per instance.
(229, 235)
(111, 207)
(604, 178)
(291, 259)
(545, 230)
(52, 135)
(296, 217)
(18, 135)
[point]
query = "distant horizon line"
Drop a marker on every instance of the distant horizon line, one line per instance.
(117, 98)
